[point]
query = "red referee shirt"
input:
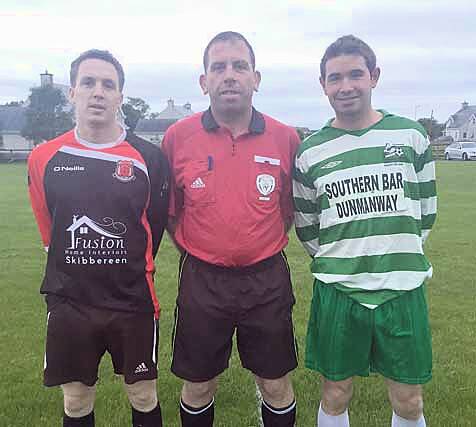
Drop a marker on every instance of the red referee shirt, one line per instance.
(231, 197)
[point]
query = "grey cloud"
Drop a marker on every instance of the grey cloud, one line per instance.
(15, 90)
(294, 95)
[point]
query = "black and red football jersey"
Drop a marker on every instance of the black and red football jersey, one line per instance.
(101, 211)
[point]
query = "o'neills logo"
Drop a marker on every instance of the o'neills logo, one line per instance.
(75, 168)
(124, 171)
(93, 242)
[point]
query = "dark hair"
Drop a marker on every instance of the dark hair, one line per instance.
(96, 54)
(349, 45)
(224, 37)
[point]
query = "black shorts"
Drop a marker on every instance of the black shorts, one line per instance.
(213, 301)
(79, 335)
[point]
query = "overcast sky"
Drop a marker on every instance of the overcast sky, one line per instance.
(426, 49)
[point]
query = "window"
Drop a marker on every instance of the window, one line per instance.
(1, 141)
(464, 135)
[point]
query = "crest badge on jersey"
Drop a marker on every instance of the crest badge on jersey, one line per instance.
(124, 171)
(393, 150)
(265, 184)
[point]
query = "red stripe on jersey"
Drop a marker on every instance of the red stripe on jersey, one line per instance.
(149, 258)
(150, 266)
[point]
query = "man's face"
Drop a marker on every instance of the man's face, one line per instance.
(96, 95)
(230, 79)
(348, 84)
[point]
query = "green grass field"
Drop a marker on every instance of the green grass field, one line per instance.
(449, 398)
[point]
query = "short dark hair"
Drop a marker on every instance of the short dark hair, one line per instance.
(226, 36)
(104, 55)
(349, 45)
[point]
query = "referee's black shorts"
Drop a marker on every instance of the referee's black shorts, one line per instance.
(213, 301)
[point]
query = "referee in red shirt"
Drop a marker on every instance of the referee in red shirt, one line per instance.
(229, 214)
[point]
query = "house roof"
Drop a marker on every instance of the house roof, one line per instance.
(176, 112)
(462, 116)
(154, 125)
(12, 119)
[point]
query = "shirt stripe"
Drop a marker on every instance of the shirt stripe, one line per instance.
(364, 203)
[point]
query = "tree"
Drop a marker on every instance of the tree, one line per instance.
(300, 132)
(46, 117)
(432, 127)
(134, 110)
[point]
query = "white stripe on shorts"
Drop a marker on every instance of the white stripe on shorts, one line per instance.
(154, 353)
(47, 320)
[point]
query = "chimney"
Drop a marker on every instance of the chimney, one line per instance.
(464, 105)
(46, 79)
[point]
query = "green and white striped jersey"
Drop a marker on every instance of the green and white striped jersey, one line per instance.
(365, 202)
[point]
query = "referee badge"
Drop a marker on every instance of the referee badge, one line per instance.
(265, 184)
(124, 171)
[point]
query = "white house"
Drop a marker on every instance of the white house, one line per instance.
(461, 126)
(153, 130)
(12, 120)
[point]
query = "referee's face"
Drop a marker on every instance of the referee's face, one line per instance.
(96, 95)
(230, 78)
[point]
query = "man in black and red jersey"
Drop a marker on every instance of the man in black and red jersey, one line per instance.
(230, 211)
(100, 198)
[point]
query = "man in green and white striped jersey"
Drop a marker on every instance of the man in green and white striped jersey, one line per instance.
(365, 200)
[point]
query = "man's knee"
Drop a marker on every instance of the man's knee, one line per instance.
(277, 392)
(406, 399)
(336, 396)
(142, 395)
(78, 399)
(198, 394)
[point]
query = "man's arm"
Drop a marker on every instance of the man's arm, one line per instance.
(425, 170)
(306, 210)
(176, 196)
(157, 211)
(287, 205)
(36, 171)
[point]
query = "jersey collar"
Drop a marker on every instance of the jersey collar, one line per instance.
(96, 146)
(257, 123)
(358, 132)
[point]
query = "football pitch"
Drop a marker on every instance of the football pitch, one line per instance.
(450, 398)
